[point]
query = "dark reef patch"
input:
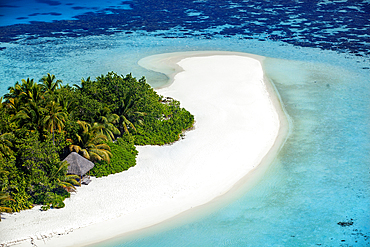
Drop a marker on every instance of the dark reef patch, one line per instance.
(34, 14)
(8, 6)
(50, 13)
(345, 223)
(49, 2)
(79, 8)
(337, 26)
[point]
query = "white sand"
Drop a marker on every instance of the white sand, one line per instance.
(236, 126)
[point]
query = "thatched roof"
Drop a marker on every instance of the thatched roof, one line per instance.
(77, 164)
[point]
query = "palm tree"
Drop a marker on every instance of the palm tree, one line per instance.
(27, 90)
(66, 104)
(24, 104)
(14, 92)
(13, 106)
(6, 144)
(5, 115)
(31, 116)
(22, 94)
(2, 104)
(90, 143)
(49, 84)
(27, 84)
(106, 126)
(128, 115)
(32, 92)
(69, 181)
(4, 197)
(55, 118)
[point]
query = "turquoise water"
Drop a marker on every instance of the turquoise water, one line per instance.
(319, 62)
(320, 177)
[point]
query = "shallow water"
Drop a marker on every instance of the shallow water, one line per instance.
(317, 180)
(318, 61)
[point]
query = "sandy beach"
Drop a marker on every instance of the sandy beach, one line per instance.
(239, 122)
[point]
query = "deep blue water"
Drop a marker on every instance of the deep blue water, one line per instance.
(318, 60)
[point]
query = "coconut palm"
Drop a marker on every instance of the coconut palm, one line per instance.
(65, 103)
(128, 115)
(24, 104)
(27, 85)
(32, 92)
(106, 126)
(24, 90)
(2, 105)
(13, 105)
(5, 124)
(83, 82)
(49, 85)
(54, 118)
(14, 92)
(91, 143)
(27, 91)
(6, 144)
(69, 181)
(31, 116)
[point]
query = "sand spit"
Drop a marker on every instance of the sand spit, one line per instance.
(237, 125)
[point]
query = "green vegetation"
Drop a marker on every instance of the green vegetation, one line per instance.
(102, 120)
(124, 154)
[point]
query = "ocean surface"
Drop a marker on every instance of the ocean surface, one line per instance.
(317, 190)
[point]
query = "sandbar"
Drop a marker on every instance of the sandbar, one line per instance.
(238, 123)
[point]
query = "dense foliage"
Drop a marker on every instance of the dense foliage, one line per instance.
(124, 154)
(102, 120)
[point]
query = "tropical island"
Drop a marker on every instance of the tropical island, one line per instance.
(240, 126)
(102, 120)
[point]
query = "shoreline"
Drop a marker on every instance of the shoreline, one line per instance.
(176, 200)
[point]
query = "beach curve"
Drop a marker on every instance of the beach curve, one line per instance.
(237, 125)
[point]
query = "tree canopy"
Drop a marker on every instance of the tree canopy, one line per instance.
(102, 120)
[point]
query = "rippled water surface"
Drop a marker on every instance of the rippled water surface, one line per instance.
(316, 192)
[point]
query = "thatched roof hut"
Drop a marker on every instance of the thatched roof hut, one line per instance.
(77, 164)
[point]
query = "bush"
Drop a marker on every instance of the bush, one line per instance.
(53, 200)
(165, 130)
(21, 200)
(124, 157)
